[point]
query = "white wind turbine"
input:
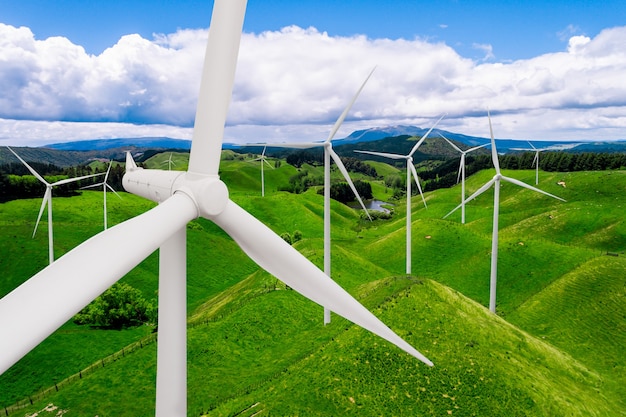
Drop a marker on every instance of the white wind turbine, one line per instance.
(536, 162)
(47, 201)
(105, 185)
(462, 171)
(328, 154)
(263, 160)
(169, 162)
(410, 168)
(61, 290)
(495, 181)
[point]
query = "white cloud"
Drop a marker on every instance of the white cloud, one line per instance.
(295, 82)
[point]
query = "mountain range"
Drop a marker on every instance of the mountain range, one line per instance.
(78, 152)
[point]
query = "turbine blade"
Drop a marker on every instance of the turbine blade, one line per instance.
(347, 109)
(494, 151)
(44, 201)
(530, 187)
(531, 145)
(346, 175)
(267, 163)
(92, 186)
(473, 196)
(417, 181)
(216, 86)
(296, 145)
(458, 175)
(32, 171)
(130, 163)
(68, 180)
(61, 290)
(477, 147)
(417, 145)
(280, 259)
(383, 154)
(114, 192)
(451, 144)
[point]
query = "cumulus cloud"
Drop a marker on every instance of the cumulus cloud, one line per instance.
(296, 82)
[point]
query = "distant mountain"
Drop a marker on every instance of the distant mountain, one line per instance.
(144, 142)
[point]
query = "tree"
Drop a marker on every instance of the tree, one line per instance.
(118, 307)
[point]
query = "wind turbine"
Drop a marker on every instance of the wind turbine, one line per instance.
(462, 171)
(47, 200)
(263, 159)
(169, 162)
(328, 154)
(60, 290)
(410, 168)
(495, 181)
(105, 185)
(536, 162)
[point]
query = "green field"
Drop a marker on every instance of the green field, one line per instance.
(556, 348)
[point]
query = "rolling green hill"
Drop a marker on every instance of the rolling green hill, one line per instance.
(255, 346)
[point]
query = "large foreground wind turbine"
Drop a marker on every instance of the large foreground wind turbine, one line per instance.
(410, 168)
(495, 181)
(47, 201)
(462, 171)
(105, 185)
(61, 290)
(328, 154)
(263, 160)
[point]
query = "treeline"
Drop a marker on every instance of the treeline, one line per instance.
(16, 181)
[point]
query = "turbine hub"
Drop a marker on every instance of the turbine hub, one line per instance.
(209, 193)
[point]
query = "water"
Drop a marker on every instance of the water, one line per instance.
(374, 205)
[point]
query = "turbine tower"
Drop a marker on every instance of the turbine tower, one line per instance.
(105, 185)
(462, 171)
(495, 181)
(60, 290)
(328, 154)
(47, 201)
(410, 168)
(263, 160)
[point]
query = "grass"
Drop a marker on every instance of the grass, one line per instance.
(250, 344)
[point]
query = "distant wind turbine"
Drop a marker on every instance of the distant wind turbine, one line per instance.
(169, 162)
(47, 200)
(462, 171)
(410, 168)
(495, 181)
(328, 154)
(536, 162)
(105, 185)
(263, 160)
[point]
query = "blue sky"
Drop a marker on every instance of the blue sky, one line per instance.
(523, 59)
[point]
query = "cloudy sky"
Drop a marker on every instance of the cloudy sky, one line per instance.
(84, 69)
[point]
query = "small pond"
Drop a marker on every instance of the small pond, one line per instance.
(374, 205)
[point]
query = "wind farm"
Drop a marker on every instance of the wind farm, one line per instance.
(230, 297)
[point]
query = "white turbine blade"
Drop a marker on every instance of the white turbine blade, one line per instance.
(417, 145)
(92, 186)
(216, 86)
(535, 158)
(44, 201)
(417, 181)
(477, 147)
(494, 151)
(473, 196)
(45, 302)
(346, 175)
(297, 145)
(280, 259)
(531, 145)
(267, 163)
(347, 109)
(68, 180)
(451, 144)
(32, 171)
(112, 190)
(106, 176)
(130, 163)
(383, 154)
(530, 187)
(458, 175)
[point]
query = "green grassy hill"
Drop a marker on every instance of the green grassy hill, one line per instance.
(254, 346)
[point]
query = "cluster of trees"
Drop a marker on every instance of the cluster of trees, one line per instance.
(342, 192)
(566, 161)
(16, 181)
(121, 306)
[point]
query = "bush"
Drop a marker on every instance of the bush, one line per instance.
(118, 307)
